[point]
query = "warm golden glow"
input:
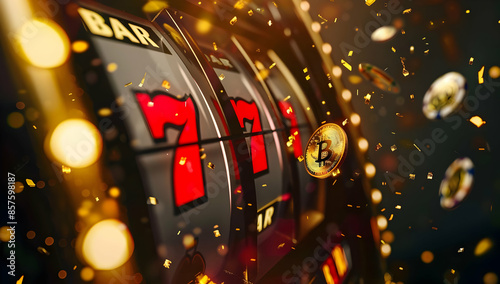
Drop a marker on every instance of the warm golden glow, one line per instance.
(327, 48)
(376, 196)
(76, 143)
(87, 274)
(107, 245)
(154, 6)
(346, 95)
(316, 27)
(337, 71)
(79, 46)
(388, 236)
(340, 260)
(385, 250)
(355, 119)
(494, 72)
(427, 256)
(381, 222)
(304, 5)
(15, 120)
(43, 43)
(363, 144)
(490, 278)
(203, 26)
(370, 170)
(483, 246)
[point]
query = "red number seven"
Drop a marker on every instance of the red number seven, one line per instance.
(289, 113)
(164, 111)
(248, 112)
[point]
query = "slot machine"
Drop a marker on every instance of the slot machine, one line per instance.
(200, 118)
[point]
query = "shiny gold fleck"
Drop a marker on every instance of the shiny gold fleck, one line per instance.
(128, 84)
(412, 176)
(480, 75)
(471, 60)
(346, 65)
(394, 148)
(142, 80)
(233, 21)
(167, 263)
(165, 84)
(210, 165)
(407, 11)
(30, 183)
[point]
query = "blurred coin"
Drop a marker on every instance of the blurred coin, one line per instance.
(384, 33)
(444, 96)
(325, 150)
(378, 78)
(457, 183)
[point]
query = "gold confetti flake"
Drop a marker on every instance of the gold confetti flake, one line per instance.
(203, 156)
(405, 72)
(369, 2)
(221, 77)
(367, 98)
(210, 165)
(430, 175)
(359, 236)
(151, 104)
(471, 60)
(142, 81)
(426, 51)
(308, 77)
(34, 126)
(434, 228)
(393, 49)
(240, 4)
(382, 210)
(182, 161)
(128, 84)
(467, 11)
(378, 146)
(214, 45)
(390, 218)
(264, 185)
(30, 183)
(217, 233)
(453, 270)
(412, 176)
(300, 158)
(152, 200)
(269, 23)
(400, 268)
(289, 143)
(346, 65)
(394, 148)
(167, 263)
(272, 65)
(350, 53)
(397, 193)
(165, 84)
(304, 70)
(20, 281)
(286, 99)
(460, 250)
(250, 13)
(412, 96)
(412, 49)
(417, 147)
(42, 250)
(65, 170)
(407, 11)
(233, 21)
(281, 245)
(480, 75)
(97, 199)
(330, 85)
(345, 122)
(324, 20)
(323, 102)
(398, 207)
(477, 121)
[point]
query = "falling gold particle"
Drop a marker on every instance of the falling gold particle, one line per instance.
(412, 49)
(128, 84)
(151, 104)
(390, 218)
(426, 51)
(165, 84)
(453, 270)
(359, 236)
(217, 233)
(393, 49)
(65, 170)
(369, 2)
(412, 176)
(405, 72)
(397, 193)
(345, 122)
(142, 80)
(304, 70)
(20, 281)
(112, 67)
(367, 98)
(323, 102)
(471, 60)
(417, 147)
(42, 250)
(467, 11)
(210, 165)
(308, 77)
(412, 96)
(214, 45)
(477, 121)
(30, 183)
(400, 268)
(152, 200)
(398, 207)
(272, 65)
(269, 23)
(286, 99)
(407, 11)
(167, 263)
(221, 77)
(234, 20)
(240, 4)
(327, 113)
(330, 85)
(480, 75)
(460, 250)
(394, 148)
(350, 53)
(346, 65)
(281, 245)
(429, 175)
(434, 228)
(300, 158)
(378, 146)
(182, 161)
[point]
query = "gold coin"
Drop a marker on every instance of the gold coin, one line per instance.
(325, 150)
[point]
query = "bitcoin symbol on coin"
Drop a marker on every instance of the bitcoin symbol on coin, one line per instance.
(325, 150)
